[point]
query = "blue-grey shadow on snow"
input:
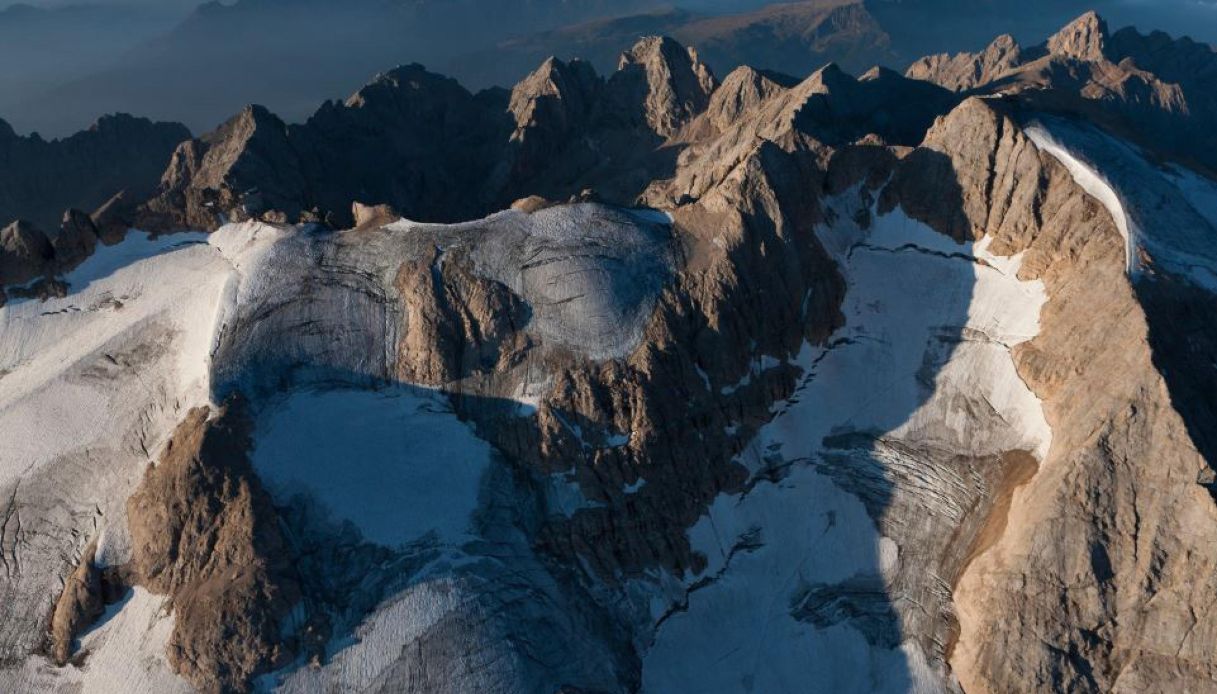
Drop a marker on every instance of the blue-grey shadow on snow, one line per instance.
(925, 504)
(106, 260)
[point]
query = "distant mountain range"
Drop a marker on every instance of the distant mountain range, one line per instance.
(60, 69)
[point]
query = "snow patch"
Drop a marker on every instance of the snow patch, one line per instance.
(397, 462)
(929, 328)
(1167, 214)
(126, 651)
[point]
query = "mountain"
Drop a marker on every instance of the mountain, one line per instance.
(39, 179)
(77, 62)
(42, 46)
(794, 38)
(289, 53)
(1154, 89)
(656, 380)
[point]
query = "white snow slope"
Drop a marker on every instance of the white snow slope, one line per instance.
(96, 381)
(1168, 215)
(303, 322)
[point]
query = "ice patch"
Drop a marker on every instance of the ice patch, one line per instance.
(379, 640)
(650, 215)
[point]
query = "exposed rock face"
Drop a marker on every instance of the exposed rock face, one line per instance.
(114, 218)
(553, 101)
(450, 154)
(426, 129)
(666, 80)
(25, 253)
(964, 71)
(204, 532)
(741, 91)
(1152, 89)
(40, 179)
(76, 240)
(80, 604)
(1085, 39)
(216, 174)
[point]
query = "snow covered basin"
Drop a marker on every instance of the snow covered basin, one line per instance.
(395, 462)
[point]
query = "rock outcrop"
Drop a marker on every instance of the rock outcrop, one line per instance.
(205, 533)
(80, 604)
(25, 253)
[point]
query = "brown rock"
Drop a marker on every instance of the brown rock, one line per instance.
(369, 216)
(204, 533)
(531, 204)
(25, 253)
(661, 84)
(742, 91)
(80, 604)
(76, 240)
(114, 218)
(456, 323)
(965, 71)
(243, 169)
(1084, 38)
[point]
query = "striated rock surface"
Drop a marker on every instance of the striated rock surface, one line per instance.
(964, 71)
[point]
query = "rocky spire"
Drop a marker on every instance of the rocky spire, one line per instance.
(743, 90)
(673, 83)
(243, 168)
(1085, 38)
(555, 96)
(25, 253)
(969, 70)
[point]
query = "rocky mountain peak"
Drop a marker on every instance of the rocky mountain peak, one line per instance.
(673, 83)
(556, 94)
(25, 251)
(1085, 38)
(828, 79)
(969, 70)
(835, 107)
(743, 90)
(407, 82)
